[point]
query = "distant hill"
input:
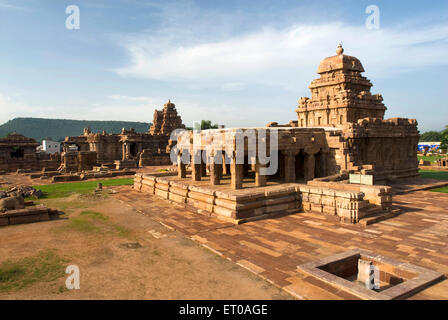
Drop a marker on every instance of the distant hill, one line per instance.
(58, 129)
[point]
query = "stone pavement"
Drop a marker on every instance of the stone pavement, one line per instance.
(273, 248)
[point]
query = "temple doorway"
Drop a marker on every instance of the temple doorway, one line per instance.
(133, 149)
(17, 152)
(300, 166)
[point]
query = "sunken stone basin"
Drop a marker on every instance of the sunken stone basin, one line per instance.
(371, 276)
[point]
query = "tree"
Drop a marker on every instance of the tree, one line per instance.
(207, 124)
(444, 140)
(433, 136)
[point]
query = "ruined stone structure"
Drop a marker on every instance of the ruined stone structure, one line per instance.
(443, 162)
(19, 152)
(130, 149)
(77, 161)
(340, 131)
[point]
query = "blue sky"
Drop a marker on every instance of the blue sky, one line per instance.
(238, 63)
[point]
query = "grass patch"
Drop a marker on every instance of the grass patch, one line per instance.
(443, 189)
(46, 266)
(93, 222)
(81, 224)
(431, 174)
(61, 190)
(85, 223)
(93, 214)
(121, 231)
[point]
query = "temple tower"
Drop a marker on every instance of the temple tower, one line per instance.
(166, 120)
(340, 95)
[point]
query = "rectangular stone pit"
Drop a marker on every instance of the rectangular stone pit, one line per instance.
(396, 280)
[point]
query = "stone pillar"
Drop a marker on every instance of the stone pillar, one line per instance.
(181, 168)
(310, 163)
(260, 180)
(196, 167)
(214, 171)
(128, 151)
(224, 165)
(236, 172)
(290, 166)
(124, 148)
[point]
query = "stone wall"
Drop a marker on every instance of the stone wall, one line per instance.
(27, 215)
(77, 161)
(387, 148)
(18, 152)
(349, 203)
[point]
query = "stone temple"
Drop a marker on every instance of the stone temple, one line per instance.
(127, 149)
(337, 158)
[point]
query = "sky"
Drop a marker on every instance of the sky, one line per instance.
(237, 63)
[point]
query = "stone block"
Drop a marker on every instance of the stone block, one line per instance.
(4, 221)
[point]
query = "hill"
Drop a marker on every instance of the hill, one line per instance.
(58, 129)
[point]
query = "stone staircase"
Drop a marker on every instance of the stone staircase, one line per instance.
(373, 213)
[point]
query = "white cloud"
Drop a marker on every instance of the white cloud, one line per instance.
(128, 98)
(6, 5)
(12, 107)
(282, 57)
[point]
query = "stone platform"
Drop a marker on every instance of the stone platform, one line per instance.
(273, 248)
(349, 203)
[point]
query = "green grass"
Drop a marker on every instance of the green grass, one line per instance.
(432, 158)
(443, 189)
(93, 215)
(86, 222)
(83, 225)
(61, 190)
(432, 174)
(46, 266)
(93, 222)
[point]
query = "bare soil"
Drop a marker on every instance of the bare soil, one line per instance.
(122, 254)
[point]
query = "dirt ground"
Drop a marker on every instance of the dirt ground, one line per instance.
(165, 264)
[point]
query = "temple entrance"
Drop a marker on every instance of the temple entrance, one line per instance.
(133, 149)
(300, 166)
(17, 152)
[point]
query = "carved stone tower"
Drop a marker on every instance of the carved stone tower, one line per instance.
(166, 120)
(340, 95)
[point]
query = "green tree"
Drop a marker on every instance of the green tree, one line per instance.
(433, 136)
(205, 124)
(444, 140)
